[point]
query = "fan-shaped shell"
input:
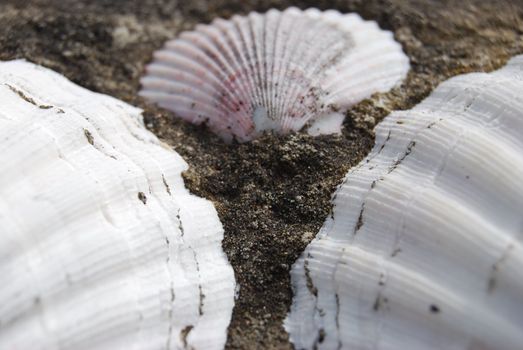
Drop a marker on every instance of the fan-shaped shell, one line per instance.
(274, 71)
(424, 247)
(101, 246)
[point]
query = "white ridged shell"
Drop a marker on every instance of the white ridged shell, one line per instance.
(274, 71)
(84, 262)
(424, 248)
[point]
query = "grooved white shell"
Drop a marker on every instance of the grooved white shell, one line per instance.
(424, 247)
(101, 246)
(274, 71)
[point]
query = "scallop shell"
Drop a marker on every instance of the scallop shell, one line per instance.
(424, 247)
(275, 71)
(101, 246)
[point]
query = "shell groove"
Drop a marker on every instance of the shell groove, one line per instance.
(101, 245)
(276, 71)
(424, 247)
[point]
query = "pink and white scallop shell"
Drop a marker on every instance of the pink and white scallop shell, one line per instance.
(277, 71)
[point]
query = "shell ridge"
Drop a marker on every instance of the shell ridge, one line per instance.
(114, 225)
(305, 97)
(434, 259)
(236, 92)
(240, 106)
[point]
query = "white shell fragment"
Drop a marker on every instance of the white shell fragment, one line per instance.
(424, 247)
(275, 71)
(101, 246)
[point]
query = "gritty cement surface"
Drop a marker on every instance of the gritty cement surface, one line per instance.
(272, 194)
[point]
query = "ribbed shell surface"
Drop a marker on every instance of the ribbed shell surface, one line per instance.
(275, 71)
(101, 246)
(424, 246)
